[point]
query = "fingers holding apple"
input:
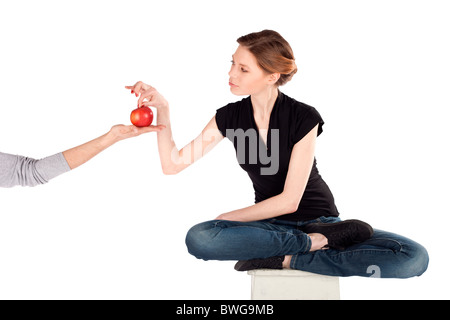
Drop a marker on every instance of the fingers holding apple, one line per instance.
(147, 95)
(138, 88)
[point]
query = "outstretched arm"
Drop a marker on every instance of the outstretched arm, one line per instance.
(24, 171)
(172, 159)
(83, 153)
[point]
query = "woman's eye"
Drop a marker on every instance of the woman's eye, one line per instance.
(242, 69)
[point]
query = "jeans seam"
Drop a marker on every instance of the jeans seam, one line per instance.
(362, 250)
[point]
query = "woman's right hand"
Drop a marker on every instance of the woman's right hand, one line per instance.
(148, 96)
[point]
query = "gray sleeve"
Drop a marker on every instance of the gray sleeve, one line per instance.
(18, 170)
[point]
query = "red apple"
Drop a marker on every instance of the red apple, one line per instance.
(142, 117)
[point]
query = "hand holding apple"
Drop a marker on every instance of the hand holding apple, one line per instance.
(148, 96)
(121, 132)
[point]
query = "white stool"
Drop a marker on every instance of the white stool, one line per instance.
(287, 284)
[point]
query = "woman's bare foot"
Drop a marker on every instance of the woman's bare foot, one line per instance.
(287, 262)
(318, 241)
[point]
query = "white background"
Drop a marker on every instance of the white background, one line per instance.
(377, 71)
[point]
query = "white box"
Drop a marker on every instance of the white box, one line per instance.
(287, 284)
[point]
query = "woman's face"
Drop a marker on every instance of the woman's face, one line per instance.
(246, 77)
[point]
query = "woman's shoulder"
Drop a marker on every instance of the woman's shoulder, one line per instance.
(295, 105)
(302, 117)
(233, 115)
(237, 104)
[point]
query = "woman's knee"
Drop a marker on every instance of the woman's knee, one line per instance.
(200, 240)
(411, 261)
(405, 258)
(416, 261)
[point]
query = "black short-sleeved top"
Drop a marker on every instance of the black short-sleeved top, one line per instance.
(267, 164)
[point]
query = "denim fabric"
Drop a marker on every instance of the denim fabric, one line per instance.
(385, 255)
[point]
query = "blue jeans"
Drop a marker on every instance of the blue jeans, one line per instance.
(385, 255)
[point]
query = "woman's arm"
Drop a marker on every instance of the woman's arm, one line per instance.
(300, 166)
(172, 159)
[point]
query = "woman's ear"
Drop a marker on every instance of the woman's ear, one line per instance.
(273, 78)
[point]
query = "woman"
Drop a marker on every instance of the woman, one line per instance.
(294, 222)
(18, 170)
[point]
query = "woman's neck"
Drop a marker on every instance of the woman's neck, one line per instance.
(264, 101)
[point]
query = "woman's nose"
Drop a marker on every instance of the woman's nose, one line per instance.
(232, 73)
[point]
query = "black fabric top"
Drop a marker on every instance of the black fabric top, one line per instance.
(267, 164)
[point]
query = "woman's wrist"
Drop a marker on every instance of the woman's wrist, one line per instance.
(163, 115)
(163, 108)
